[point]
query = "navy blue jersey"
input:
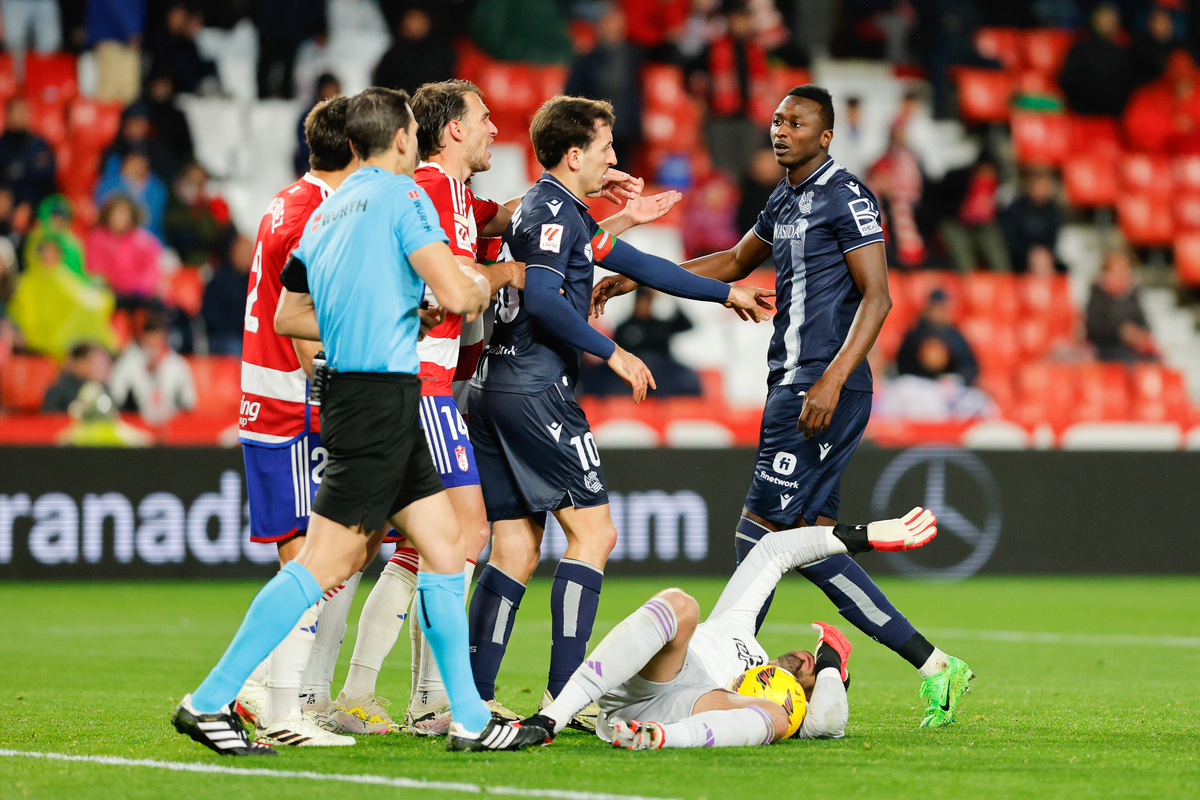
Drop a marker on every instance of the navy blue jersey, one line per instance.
(551, 229)
(810, 227)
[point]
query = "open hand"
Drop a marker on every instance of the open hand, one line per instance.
(644, 209)
(633, 371)
(608, 288)
(748, 301)
(619, 186)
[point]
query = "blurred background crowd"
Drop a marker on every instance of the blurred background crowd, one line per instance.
(1038, 165)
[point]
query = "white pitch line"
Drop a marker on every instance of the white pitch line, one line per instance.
(374, 780)
(1029, 637)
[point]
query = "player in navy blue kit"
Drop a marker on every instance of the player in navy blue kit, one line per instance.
(821, 226)
(533, 444)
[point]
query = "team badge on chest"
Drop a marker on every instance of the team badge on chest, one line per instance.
(806, 202)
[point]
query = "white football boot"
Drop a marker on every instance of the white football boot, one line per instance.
(299, 731)
(428, 715)
(584, 721)
(327, 716)
(251, 700)
(634, 735)
(369, 709)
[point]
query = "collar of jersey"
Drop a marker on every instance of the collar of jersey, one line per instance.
(818, 171)
(325, 188)
(553, 181)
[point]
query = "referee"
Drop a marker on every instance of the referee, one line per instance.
(355, 283)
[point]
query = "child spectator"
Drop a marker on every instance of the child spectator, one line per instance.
(152, 379)
(53, 308)
(137, 181)
(124, 254)
(54, 220)
(86, 362)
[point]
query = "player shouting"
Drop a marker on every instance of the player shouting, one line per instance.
(663, 681)
(281, 445)
(534, 447)
(821, 226)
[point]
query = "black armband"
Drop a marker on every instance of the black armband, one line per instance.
(295, 276)
(853, 536)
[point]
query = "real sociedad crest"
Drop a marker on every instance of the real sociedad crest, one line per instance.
(806, 202)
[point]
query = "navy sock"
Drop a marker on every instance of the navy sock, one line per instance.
(574, 600)
(749, 533)
(859, 600)
(494, 603)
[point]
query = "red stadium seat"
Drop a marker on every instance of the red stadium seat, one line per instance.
(890, 337)
(1090, 180)
(1046, 393)
(1159, 394)
(1103, 393)
(1094, 135)
(990, 294)
(1042, 295)
(920, 284)
(551, 80)
(983, 94)
(49, 121)
(1034, 337)
(1000, 44)
(994, 343)
(77, 170)
(1145, 174)
(1030, 81)
(24, 381)
(999, 385)
(663, 87)
(677, 129)
(8, 77)
(93, 124)
(218, 384)
(1040, 138)
(51, 78)
(185, 290)
(1187, 258)
(1145, 220)
(1187, 211)
(1045, 49)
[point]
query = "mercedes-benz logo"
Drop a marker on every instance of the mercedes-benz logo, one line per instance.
(980, 538)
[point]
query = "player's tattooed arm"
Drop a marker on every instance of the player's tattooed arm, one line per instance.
(868, 269)
(727, 266)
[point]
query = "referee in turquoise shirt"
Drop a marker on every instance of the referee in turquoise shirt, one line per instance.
(355, 283)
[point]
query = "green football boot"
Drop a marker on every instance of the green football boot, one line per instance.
(942, 692)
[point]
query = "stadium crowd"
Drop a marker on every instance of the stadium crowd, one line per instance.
(116, 247)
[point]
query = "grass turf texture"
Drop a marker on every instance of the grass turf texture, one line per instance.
(97, 669)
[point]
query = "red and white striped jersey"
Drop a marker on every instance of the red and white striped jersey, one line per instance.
(274, 387)
(461, 214)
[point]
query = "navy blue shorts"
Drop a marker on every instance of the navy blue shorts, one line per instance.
(535, 453)
(281, 482)
(446, 435)
(796, 477)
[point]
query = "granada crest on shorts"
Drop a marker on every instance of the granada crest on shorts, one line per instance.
(592, 482)
(460, 454)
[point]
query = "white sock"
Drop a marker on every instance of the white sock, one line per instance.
(285, 667)
(331, 630)
(936, 662)
(379, 626)
(734, 727)
(619, 656)
(260, 673)
(429, 688)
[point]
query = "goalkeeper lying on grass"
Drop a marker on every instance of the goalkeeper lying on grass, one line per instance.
(663, 680)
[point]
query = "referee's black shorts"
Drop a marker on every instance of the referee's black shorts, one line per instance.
(378, 459)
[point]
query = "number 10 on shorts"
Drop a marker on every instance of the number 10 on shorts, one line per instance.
(585, 448)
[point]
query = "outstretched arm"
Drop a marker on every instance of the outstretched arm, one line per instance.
(668, 277)
(727, 266)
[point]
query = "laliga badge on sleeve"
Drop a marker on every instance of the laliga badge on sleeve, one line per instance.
(551, 240)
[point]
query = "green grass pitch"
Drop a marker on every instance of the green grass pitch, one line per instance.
(1087, 688)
